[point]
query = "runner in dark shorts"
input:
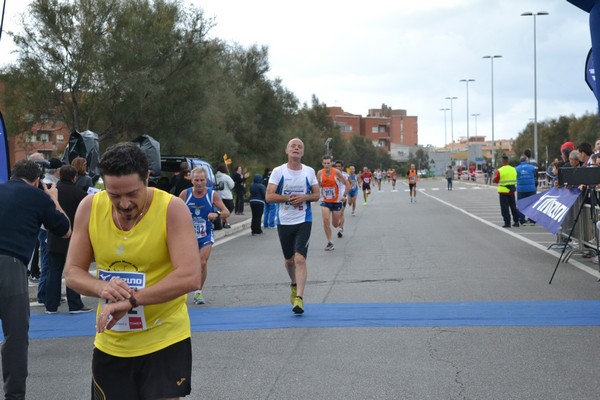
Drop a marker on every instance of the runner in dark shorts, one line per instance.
(153, 381)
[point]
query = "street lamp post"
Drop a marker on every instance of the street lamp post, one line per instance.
(535, 124)
(466, 81)
(445, 126)
(475, 115)
(327, 142)
(493, 142)
(451, 126)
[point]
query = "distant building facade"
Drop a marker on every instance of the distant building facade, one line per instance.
(393, 130)
(49, 138)
(477, 150)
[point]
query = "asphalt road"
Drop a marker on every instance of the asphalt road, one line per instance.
(432, 300)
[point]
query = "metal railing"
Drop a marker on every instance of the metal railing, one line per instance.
(583, 231)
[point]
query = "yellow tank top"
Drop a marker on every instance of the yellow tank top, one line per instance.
(142, 257)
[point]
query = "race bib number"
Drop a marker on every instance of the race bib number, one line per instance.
(412, 179)
(135, 320)
(329, 193)
(200, 227)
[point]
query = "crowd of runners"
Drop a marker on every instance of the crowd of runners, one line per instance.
(151, 250)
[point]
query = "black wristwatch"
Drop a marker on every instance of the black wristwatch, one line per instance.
(132, 301)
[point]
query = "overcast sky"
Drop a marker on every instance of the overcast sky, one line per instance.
(412, 54)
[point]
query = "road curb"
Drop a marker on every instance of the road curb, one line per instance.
(235, 228)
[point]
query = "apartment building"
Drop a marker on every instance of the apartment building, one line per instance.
(393, 130)
(49, 138)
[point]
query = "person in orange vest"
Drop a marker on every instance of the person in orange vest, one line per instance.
(412, 178)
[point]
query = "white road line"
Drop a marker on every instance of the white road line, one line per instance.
(571, 261)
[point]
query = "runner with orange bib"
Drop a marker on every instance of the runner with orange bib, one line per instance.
(412, 178)
(331, 206)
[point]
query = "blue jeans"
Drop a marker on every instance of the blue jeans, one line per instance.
(43, 238)
(269, 219)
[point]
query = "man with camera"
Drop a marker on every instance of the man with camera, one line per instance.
(49, 174)
(24, 209)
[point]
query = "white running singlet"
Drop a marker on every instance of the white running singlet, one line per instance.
(291, 181)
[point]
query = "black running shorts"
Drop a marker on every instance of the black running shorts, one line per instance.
(166, 373)
(294, 239)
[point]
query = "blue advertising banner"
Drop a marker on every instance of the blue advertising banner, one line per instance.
(549, 208)
(590, 74)
(4, 160)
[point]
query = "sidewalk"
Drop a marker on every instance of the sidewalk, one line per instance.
(238, 223)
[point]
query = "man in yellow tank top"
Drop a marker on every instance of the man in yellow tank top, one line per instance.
(143, 242)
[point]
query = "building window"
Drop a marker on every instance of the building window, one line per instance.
(44, 137)
(60, 138)
(343, 127)
(31, 138)
(374, 129)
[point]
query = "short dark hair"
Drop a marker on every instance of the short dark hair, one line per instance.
(67, 173)
(504, 158)
(124, 158)
(26, 169)
(222, 168)
(527, 153)
(339, 162)
(585, 148)
(327, 157)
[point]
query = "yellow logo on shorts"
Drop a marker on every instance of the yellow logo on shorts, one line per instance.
(180, 382)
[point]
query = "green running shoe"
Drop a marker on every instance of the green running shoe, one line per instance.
(293, 293)
(198, 298)
(298, 305)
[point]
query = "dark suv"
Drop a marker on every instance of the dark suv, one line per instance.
(171, 164)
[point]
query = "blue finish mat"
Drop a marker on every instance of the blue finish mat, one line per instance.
(204, 319)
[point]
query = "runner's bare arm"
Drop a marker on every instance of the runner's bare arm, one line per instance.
(346, 182)
(273, 197)
(221, 206)
(79, 258)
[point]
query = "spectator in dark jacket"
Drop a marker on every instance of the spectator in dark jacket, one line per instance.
(239, 190)
(69, 197)
(184, 182)
(25, 208)
(83, 179)
(257, 204)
